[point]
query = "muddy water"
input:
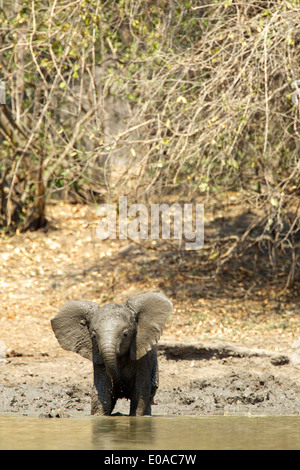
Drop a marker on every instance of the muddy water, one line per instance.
(151, 433)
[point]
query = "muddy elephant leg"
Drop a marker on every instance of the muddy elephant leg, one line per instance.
(142, 394)
(140, 403)
(102, 400)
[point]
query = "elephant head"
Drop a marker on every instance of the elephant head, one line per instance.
(105, 334)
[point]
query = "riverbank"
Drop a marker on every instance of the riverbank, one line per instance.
(41, 271)
(195, 379)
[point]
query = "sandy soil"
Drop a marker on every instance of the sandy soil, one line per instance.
(226, 349)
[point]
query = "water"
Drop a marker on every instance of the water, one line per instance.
(151, 433)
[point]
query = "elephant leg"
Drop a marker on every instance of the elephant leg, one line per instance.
(154, 378)
(142, 395)
(102, 400)
(140, 403)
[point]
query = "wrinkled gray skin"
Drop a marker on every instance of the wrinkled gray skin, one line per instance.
(120, 340)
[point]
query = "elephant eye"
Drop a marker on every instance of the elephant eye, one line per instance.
(125, 333)
(93, 334)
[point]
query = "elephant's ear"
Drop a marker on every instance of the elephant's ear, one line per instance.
(151, 312)
(70, 327)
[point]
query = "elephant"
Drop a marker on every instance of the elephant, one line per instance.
(120, 340)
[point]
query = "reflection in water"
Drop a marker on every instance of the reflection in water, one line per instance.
(112, 433)
(151, 433)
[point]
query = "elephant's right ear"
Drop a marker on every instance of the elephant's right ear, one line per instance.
(70, 327)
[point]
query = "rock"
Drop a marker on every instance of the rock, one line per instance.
(55, 414)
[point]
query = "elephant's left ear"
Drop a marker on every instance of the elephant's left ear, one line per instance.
(151, 312)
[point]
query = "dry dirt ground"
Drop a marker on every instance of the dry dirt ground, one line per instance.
(227, 348)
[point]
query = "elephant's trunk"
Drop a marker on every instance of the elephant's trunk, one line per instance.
(108, 351)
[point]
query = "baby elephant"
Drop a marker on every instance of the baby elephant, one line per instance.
(120, 340)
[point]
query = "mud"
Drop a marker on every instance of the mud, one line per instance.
(195, 379)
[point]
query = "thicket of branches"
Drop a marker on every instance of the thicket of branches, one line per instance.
(152, 98)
